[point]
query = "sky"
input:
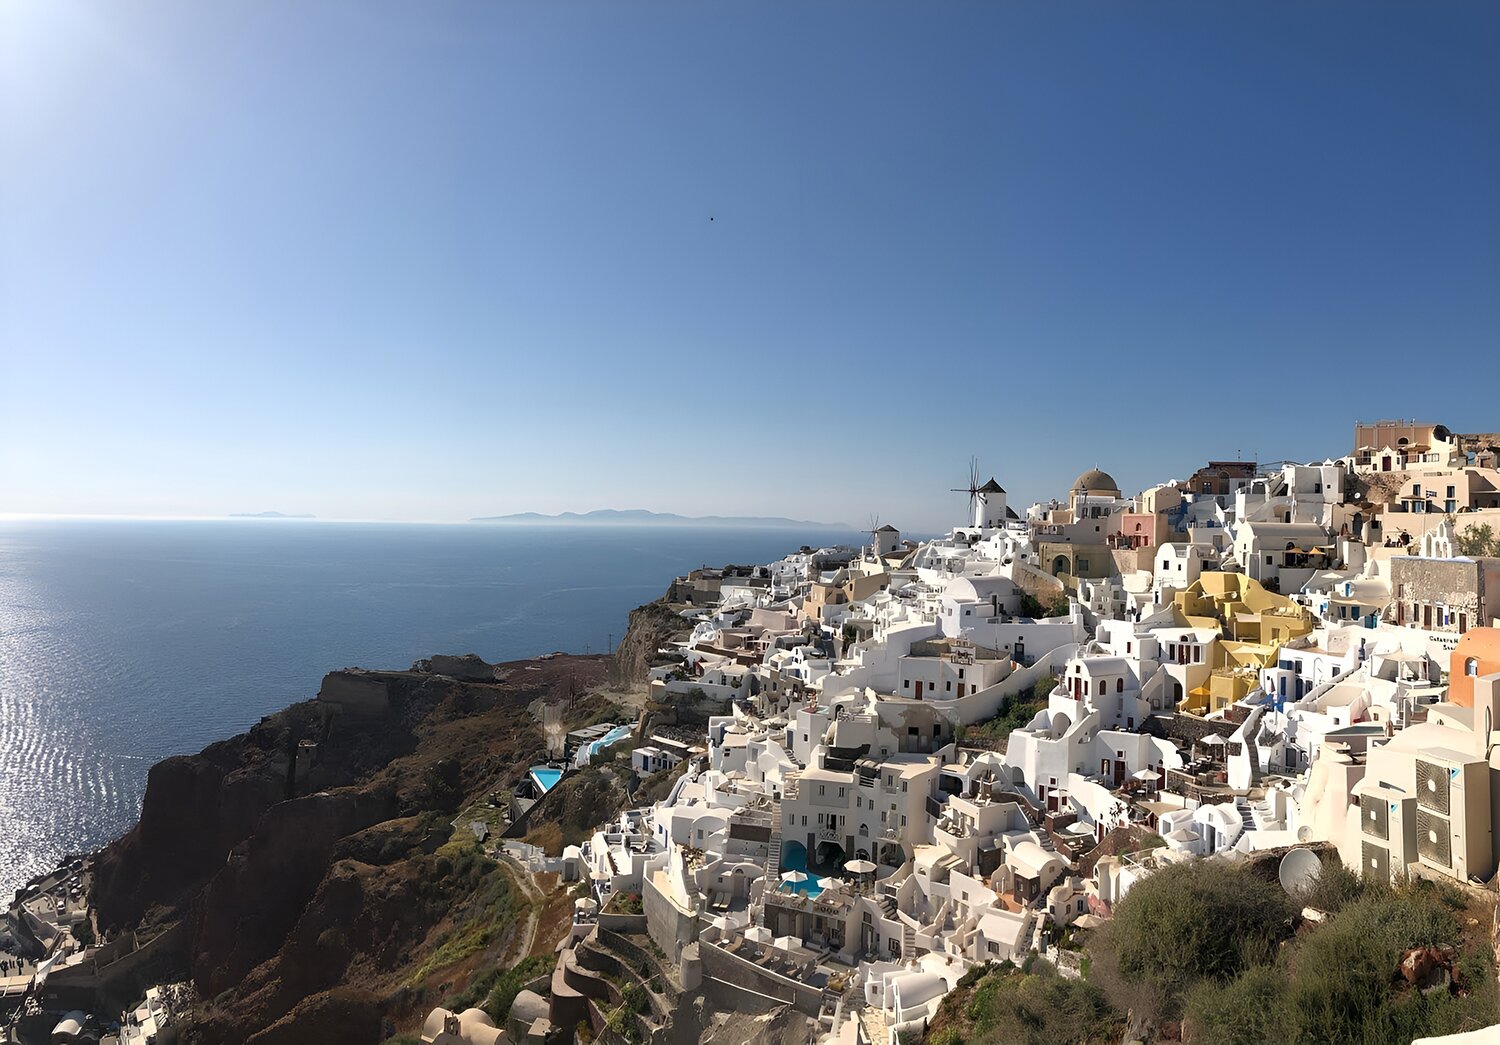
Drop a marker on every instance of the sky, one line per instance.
(440, 260)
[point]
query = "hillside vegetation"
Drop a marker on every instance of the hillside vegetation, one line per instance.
(1212, 952)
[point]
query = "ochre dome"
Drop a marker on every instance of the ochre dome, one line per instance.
(1095, 481)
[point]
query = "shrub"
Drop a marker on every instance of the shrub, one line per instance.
(507, 983)
(1202, 919)
(1334, 887)
(1248, 1010)
(1340, 982)
(1038, 1008)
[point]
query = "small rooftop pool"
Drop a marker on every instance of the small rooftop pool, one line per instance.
(545, 777)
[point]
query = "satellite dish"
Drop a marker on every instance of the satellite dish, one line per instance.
(1299, 870)
(1304, 833)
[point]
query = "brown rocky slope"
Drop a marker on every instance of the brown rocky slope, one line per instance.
(310, 858)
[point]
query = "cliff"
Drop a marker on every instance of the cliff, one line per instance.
(312, 860)
(651, 627)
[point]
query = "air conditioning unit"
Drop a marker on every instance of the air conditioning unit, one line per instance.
(1432, 786)
(1375, 816)
(1434, 838)
(1375, 862)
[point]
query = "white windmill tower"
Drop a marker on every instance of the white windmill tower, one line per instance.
(987, 502)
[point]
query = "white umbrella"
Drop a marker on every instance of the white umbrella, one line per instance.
(1088, 921)
(758, 933)
(1145, 774)
(794, 877)
(860, 867)
(1183, 834)
(830, 883)
(787, 943)
(586, 904)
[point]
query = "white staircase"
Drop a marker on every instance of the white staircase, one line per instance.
(773, 850)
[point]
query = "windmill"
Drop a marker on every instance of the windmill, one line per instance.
(973, 488)
(987, 501)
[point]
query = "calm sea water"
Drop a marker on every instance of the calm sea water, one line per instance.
(124, 642)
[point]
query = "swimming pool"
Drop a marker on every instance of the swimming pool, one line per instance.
(616, 734)
(794, 858)
(545, 777)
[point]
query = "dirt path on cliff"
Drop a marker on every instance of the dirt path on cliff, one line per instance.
(535, 901)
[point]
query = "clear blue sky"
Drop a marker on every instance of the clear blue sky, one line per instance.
(435, 260)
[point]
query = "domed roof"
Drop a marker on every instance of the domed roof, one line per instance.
(1095, 481)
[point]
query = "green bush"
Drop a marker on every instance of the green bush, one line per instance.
(503, 994)
(1038, 1008)
(1248, 1010)
(1201, 919)
(1339, 982)
(1334, 887)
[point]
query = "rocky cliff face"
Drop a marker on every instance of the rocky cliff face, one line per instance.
(651, 627)
(302, 855)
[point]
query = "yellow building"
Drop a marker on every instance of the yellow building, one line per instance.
(1252, 623)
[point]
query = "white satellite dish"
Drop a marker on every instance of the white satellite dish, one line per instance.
(1299, 870)
(1304, 833)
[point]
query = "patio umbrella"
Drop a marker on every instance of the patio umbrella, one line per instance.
(587, 904)
(758, 933)
(1183, 834)
(787, 943)
(794, 877)
(860, 867)
(1088, 921)
(830, 883)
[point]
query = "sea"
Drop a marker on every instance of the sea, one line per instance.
(125, 641)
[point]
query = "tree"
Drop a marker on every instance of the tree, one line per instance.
(1478, 541)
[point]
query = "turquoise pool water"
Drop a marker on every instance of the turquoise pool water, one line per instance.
(546, 778)
(618, 733)
(794, 858)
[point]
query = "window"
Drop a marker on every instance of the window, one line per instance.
(1471, 666)
(906, 684)
(1119, 685)
(841, 792)
(821, 790)
(960, 674)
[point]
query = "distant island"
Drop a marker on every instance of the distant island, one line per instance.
(269, 515)
(641, 517)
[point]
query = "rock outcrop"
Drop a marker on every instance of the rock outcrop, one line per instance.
(651, 627)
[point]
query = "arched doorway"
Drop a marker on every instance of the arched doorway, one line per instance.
(831, 854)
(794, 857)
(1060, 565)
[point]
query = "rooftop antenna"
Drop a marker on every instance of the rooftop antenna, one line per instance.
(973, 487)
